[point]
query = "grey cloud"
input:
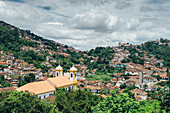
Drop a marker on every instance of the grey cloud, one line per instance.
(85, 24)
(15, 0)
(146, 9)
(149, 9)
(93, 2)
(123, 4)
(45, 7)
(59, 37)
(157, 1)
(63, 15)
(119, 4)
(102, 21)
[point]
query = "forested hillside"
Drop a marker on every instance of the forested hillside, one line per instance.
(161, 50)
(13, 38)
(103, 86)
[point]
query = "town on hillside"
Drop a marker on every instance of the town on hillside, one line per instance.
(40, 75)
(134, 69)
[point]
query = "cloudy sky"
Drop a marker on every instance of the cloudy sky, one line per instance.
(85, 24)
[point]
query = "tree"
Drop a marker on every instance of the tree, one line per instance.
(165, 102)
(1, 78)
(145, 86)
(123, 103)
(158, 77)
(75, 101)
(122, 86)
(116, 103)
(151, 106)
(16, 102)
(32, 77)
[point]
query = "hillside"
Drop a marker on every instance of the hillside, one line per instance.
(107, 78)
(159, 48)
(47, 54)
(34, 49)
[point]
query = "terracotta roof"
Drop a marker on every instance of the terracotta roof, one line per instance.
(79, 83)
(93, 87)
(133, 77)
(136, 91)
(164, 75)
(51, 97)
(114, 79)
(44, 78)
(149, 78)
(8, 88)
(121, 91)
(103, 96)
(37, 87)
(61, 81)
(115, 87)
(3, 63)
(155, 86)
(94, 70)
(108, 85)
(139, 98)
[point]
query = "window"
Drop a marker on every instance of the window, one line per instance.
(71, 87)
(71, 75)
(75, 75)
(57, 74)
(39, 97)
(44, 96)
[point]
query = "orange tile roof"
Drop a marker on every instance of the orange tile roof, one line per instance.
(108, 85)
(103, 96)
(121, 91)
(115, 87)
(8, 88)
(3, 63)
(93, 87)
(138, 97)
(164, 75)
(61, 81)
(114, 79)
(37, 87)
(155, 86)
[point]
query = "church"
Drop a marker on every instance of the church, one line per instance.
(44, 89)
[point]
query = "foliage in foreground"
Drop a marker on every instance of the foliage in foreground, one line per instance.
(75, 101)
(123, 104)
(78, 101)
(19, 102)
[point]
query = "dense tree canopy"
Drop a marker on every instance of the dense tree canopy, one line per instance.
(122, 103)
(161, 51)
(75, 101)
(19, 102)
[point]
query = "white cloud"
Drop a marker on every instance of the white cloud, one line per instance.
(102, 21)
(87, 24)
(54, 23)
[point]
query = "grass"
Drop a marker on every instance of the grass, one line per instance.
(12, 76)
